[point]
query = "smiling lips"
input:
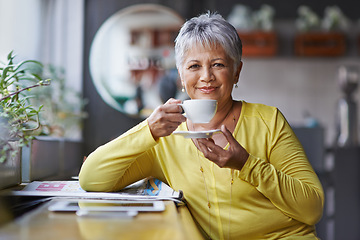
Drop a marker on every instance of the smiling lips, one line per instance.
(207, 89)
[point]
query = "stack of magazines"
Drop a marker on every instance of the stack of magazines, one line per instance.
(145, 189)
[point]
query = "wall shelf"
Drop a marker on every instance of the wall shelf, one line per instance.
(286, 41)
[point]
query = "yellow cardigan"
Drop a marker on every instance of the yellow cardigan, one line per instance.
(276, 195)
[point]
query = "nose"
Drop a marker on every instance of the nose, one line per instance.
(207, 75)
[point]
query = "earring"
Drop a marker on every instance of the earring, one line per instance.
(183, 89)
(236, 86)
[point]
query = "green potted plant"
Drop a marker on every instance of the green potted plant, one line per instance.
(256, 30)
(60, 137)
(320, 37)
(18, 118)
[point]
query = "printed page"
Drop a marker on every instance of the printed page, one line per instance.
(144, 189)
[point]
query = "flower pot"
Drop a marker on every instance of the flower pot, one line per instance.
(10, 170)
(51, 158)
(320, 44)
(259, 43)
(41, 159)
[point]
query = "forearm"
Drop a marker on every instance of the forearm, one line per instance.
(119, 162)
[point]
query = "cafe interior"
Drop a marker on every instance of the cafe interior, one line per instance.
(111, 63)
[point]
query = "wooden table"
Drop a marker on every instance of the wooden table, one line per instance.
(174, 223)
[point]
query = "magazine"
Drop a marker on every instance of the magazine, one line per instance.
(145, 189)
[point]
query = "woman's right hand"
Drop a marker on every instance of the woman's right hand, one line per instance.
(166, 118)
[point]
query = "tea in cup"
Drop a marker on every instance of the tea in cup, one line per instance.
(200, 110)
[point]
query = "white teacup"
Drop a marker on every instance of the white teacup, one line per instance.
(199, 110)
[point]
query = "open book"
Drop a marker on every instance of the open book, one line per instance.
(146, 189)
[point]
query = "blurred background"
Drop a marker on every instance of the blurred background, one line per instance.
(117, 56)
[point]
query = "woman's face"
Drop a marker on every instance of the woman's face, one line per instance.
(208, 73)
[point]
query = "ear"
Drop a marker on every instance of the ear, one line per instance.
(237, 73)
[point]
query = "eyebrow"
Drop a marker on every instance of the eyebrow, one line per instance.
(212, 60)
(217, 59)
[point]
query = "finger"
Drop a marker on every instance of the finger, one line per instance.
(162, 123)
(210, 143)
(172, 106)
(212, 156)
(210, 139)
(210, 147)
(228, 135)
(176, 118)
(173, 101)
(207, 142)
(170, 111)
(235, 149)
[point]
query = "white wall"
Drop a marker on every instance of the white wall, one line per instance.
(50, 31)
(19, 23)
(295, 85)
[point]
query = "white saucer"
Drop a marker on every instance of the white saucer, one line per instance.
(197, 134)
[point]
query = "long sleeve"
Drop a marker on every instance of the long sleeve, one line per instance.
(276, 194)
(286, 177)
(120, 162)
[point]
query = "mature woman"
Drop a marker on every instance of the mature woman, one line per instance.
(252, 181)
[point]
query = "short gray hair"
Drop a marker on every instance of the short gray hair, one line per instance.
(207, 30)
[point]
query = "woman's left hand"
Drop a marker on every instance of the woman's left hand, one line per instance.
(234, 157)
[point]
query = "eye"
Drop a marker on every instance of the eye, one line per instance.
(194, 66)
(219, 65)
